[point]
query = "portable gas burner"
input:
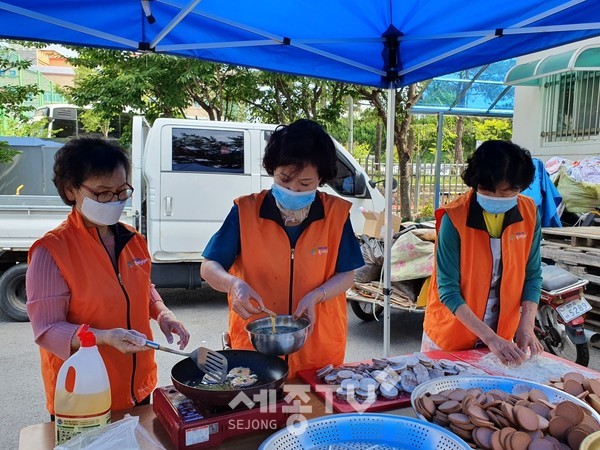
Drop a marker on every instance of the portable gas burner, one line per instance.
(192, 427)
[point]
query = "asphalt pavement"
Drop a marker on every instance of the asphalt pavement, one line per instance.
(204, 312)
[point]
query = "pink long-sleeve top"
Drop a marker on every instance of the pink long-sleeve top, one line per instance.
(48, 299)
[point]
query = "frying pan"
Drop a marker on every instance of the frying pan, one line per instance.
(271, 372)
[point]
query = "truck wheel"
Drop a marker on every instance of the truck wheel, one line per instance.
(12, 293)
(364, 310)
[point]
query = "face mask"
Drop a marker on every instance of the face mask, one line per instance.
(496, 205)
(292, 200)
(102, 213)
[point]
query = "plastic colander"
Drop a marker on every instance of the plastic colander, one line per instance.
(366, 431)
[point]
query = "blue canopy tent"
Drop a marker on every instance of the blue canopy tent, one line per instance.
(379, 43)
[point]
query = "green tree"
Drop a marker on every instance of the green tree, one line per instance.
(493, 129)
(404, 138)
(154, 85)
(368, 130)
(11, 126)
(165, 86)
(425, 129)
(94, 121)
(13, 98)
(279, 98)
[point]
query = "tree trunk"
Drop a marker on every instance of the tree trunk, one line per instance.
(404, 172)
(404, 146)
(459, 157)
(405, 98)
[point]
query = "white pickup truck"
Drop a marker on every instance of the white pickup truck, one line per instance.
(186, 174)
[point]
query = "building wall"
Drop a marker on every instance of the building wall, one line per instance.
(60, 79)
(528, 114)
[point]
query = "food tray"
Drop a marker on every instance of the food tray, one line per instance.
(487, 383)
(326, 391)
(364, 431)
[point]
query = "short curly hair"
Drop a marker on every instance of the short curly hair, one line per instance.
(495, 162)
(299, 144)
(83, 158)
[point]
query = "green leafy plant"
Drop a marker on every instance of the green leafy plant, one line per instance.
(426, 211)
(6, 153)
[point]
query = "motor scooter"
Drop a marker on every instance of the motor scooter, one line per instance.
(560, 315)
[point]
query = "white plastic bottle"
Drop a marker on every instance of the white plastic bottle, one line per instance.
(82, 398)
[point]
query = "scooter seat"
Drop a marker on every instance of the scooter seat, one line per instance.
(555, 277)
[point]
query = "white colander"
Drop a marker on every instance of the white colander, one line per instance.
(366, 431)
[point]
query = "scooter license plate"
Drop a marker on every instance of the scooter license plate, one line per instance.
(574, 309)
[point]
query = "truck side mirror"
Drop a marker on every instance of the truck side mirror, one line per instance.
(375, 183)
(360, 185)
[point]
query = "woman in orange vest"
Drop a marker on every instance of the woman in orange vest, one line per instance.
(93, 269)
(290, 249)
(487, 278)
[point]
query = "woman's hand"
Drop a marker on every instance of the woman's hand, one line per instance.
(306, 308)
(525, 334)
(169, 325)
(126, 341)
(241, 295)
(526, 339)
(507, 352)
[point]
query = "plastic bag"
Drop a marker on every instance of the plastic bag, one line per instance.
(367, 273)
(412, 258)
(124, 434)
(578, 196)
(372, 252)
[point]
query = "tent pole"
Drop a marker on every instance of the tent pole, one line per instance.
(174, 22)
(44, 18)
(351, 123)
(438, 161)
(387, 238)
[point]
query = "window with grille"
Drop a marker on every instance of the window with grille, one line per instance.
(572, 107)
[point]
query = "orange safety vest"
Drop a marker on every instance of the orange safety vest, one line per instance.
(442, 327)
(282, 275)
(99, 300)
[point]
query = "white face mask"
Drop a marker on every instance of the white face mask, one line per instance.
(102, 213)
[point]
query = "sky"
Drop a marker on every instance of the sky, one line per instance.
(62, 50)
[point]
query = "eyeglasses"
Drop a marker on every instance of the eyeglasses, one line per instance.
(108, 196)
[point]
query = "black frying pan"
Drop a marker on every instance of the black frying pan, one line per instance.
(271, 372)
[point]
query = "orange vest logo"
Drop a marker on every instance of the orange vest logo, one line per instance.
(137, 262)
(319, 251)
(518, 236)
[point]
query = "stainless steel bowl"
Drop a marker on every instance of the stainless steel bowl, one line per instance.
(263, 339)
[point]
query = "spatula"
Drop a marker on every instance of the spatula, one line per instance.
(207, 360)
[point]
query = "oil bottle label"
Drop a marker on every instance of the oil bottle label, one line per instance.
(66, 427)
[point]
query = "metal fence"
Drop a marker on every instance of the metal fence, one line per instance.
(421, 184)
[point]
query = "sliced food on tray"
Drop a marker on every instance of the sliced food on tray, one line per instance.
(513, 415)
(580, 386)
(389, 378)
